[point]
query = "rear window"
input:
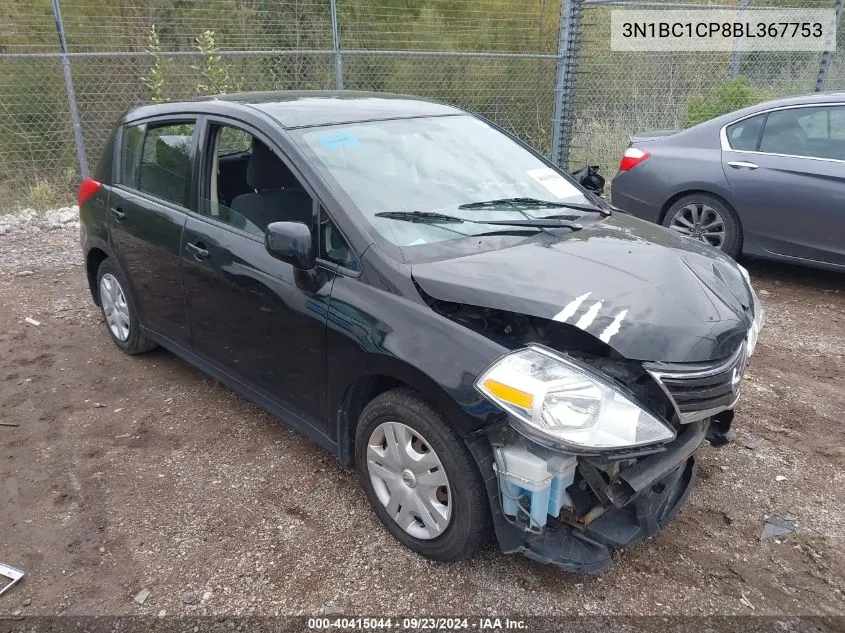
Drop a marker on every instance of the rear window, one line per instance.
(157, 159)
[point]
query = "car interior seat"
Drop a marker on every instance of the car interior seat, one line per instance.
(277, 196)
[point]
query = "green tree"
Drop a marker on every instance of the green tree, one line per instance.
(731, 95)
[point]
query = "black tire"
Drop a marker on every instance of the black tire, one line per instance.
(470, 523)
(136, 343)
(732, 244)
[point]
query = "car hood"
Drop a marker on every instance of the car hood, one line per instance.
(649, 293)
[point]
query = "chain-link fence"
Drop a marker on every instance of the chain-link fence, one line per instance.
(541, 68)
(620, 93)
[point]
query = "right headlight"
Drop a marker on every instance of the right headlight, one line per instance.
(555, 400)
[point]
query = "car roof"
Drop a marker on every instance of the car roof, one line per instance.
(807, 99)
(815, 98)
(303, 108)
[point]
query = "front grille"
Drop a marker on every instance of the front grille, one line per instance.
(701, 390)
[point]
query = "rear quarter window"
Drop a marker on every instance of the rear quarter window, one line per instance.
(744, 135)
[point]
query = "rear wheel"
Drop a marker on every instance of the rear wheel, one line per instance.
(707, 219)
(118, 308)
(420, 478)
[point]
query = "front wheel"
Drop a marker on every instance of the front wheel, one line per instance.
(707, 219)
(420, 478)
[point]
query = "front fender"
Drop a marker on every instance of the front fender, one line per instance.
(374, 334)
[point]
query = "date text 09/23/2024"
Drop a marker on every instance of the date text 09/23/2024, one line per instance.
(418, 624)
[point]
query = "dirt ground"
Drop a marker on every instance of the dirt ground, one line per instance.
(130, 473)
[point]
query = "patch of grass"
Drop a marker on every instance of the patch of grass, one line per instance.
(40, 195)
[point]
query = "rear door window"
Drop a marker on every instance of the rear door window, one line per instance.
(165, 161)
(837, 123)
(815, 124)
(825, 130)
(817, 132)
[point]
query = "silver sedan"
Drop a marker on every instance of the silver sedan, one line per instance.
(767, 181)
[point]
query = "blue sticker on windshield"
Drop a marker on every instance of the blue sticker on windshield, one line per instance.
(336, 140)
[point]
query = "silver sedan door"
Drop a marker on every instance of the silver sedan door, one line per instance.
(791, 186)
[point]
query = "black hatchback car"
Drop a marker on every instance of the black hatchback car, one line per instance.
(431, 300)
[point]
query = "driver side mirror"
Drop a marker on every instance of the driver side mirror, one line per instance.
(291, 242)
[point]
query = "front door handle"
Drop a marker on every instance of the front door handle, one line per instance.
(118, 214)
(741, 164)
(199, 250)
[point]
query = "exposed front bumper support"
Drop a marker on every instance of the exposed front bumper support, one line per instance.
(633, 481)
(650, 507)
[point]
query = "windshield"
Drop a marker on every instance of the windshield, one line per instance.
(437, 165)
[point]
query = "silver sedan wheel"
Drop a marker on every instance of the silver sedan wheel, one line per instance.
(409, 480)
(114, 306)
(700, 221)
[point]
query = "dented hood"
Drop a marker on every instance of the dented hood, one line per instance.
(649, 293)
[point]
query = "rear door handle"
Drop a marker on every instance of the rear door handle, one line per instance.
(199, 250)
(118, 214)
(741, 164)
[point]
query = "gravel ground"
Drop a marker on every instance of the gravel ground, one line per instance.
(126, 474)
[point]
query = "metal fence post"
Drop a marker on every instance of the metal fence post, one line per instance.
(824, 64)
(71, 93)
(338, 60)
(735, 55)
(567, 53)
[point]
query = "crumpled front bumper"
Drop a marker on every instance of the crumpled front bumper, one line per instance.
(627, 519)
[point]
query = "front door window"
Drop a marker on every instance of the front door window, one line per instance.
(248, 186)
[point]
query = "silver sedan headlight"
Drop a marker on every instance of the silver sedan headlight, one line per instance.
(556, 401)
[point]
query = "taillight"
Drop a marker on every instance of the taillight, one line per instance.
(87, 189)
(632, 157)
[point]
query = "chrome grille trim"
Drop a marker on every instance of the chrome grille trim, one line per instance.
(701, 390)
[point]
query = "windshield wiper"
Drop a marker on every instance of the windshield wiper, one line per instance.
(534, 203)
(429, 217)
(424, 217)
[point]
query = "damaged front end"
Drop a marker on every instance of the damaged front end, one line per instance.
(573, 511)
(592, 443)
(580, 466)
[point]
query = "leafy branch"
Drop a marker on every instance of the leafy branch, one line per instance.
(216, 78)
(153, 79)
